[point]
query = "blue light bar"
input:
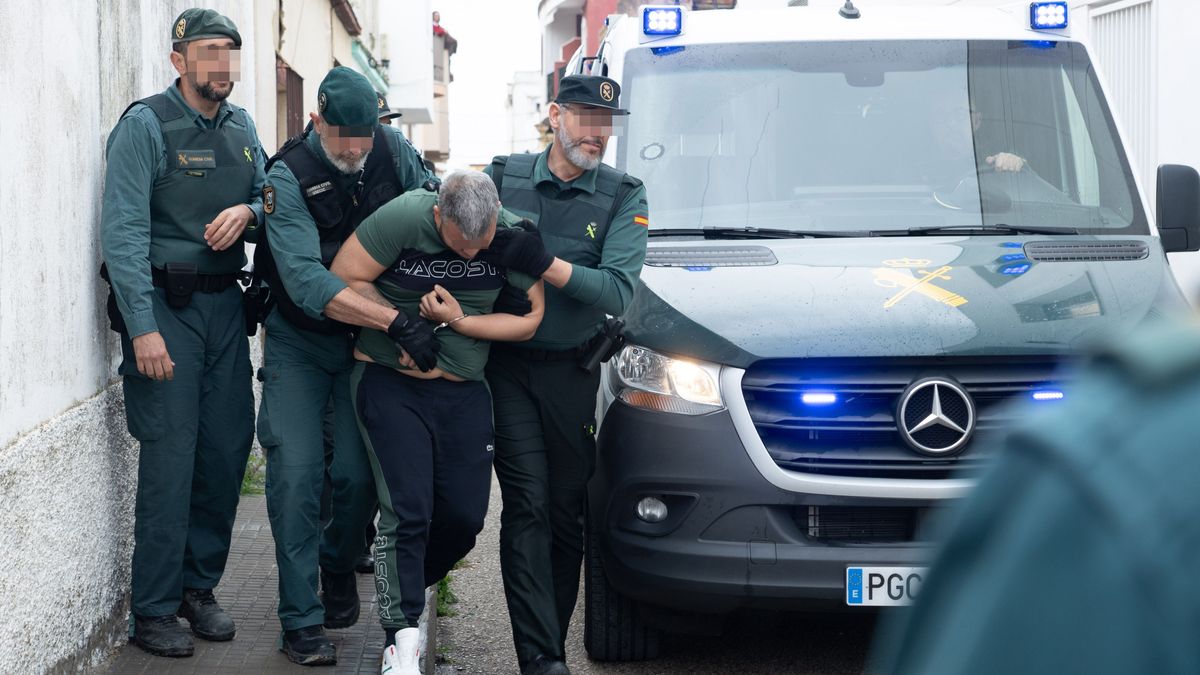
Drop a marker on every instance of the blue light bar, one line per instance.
(818, 398)
(662, 21)
(1048, 15)
(1048, 395)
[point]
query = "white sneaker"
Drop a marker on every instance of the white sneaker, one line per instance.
(403, 657)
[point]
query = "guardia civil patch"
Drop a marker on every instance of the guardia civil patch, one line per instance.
(181, 29)
(268, 199)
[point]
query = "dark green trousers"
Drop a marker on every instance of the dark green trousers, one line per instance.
(195, 433)
(304, 374)
(545, 454)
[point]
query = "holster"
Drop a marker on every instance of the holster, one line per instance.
(256, 304)
(603, 346)
(115, 321)
(180, 283)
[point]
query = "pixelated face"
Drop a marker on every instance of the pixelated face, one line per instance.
(583, 132)
(346, 147)
(212, 66)
(454, 240)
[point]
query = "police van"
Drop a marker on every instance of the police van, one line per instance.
(877, 235)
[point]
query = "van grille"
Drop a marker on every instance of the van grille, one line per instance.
(857, 436)
(860, 524)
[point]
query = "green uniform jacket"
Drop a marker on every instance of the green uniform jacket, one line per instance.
(610, 284)
(1078, 552)
(295, 244)
(136, 159)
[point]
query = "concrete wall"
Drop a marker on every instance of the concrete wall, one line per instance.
(67, 466)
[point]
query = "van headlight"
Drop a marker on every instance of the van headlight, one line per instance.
(648, 380)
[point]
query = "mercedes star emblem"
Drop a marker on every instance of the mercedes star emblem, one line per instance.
(936, 417)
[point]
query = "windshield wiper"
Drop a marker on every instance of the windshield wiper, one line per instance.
(750, 233)
(999, 228)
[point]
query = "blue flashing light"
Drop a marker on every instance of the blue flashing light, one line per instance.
(1015, 270)
(1048, 15)
(1013, 256)
(818, 398)
(698, 268)
(1048, 395)
(663, 51)
(1041, 44)
(1013, 244)
(662, 21)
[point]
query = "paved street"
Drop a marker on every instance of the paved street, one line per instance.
(477, 639)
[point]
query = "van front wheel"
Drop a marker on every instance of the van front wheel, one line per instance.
(613, 629)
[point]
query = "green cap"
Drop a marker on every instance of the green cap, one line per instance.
(347, 99)
(201, 24)
(593, 90)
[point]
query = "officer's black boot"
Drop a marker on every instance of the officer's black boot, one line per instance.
(162, 636)
(207, 618)
(339, 595)
(545, 665)
(308, 646)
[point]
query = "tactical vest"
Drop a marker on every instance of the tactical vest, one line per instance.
(207, 171)
(336, 213)
(573, 225)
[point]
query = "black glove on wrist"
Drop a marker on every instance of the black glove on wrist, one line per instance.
(519, 248)
(512, 300)
(415, 336)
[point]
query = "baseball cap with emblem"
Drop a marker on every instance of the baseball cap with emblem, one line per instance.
(202, 24)
(346, 99)
(593, 90)
(385, 112)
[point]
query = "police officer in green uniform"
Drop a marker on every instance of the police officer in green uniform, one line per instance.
(185, 169)
(319, 187)
(1077, 552)
(428, 422)
(593, 219)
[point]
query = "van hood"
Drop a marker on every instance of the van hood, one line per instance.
(735, 302)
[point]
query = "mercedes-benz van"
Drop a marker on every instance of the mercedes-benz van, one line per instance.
(874, 232)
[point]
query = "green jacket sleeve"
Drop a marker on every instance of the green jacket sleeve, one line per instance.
(610, 286)
(409, 168)
(135, 159)
(296, 246)
(254, 228)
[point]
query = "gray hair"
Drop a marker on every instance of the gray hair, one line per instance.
(469, 200)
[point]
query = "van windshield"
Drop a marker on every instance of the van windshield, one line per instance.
(878, 136)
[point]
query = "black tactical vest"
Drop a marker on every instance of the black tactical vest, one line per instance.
(573, 225)
(336, 213)
(207, 171)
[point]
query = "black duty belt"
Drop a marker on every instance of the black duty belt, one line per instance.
(205, 283)
(539, 354)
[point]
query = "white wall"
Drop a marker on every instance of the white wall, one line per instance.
(307, 42)
(67, 466)
(525, 111)
(407, 30)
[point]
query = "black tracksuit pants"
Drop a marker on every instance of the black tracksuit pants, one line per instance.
(545, 454)
(430, 445)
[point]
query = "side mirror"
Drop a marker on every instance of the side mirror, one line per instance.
(1179, 208)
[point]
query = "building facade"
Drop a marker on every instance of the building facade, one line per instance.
(68, 468)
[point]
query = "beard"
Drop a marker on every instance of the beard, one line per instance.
(575, 154)
(344, 164)
(210, 93)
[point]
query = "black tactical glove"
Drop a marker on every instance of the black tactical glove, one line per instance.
(519, 248)
(512, 300)
(415, 336)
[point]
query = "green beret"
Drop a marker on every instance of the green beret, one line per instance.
(347, 99)
(201, 24)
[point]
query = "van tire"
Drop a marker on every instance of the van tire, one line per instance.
(613, 629)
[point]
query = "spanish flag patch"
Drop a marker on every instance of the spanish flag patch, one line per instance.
(641, 220)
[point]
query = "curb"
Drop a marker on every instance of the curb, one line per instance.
(428, 634)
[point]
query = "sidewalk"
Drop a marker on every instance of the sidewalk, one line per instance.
(248, 593)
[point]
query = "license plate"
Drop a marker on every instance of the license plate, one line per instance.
(882, 586)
